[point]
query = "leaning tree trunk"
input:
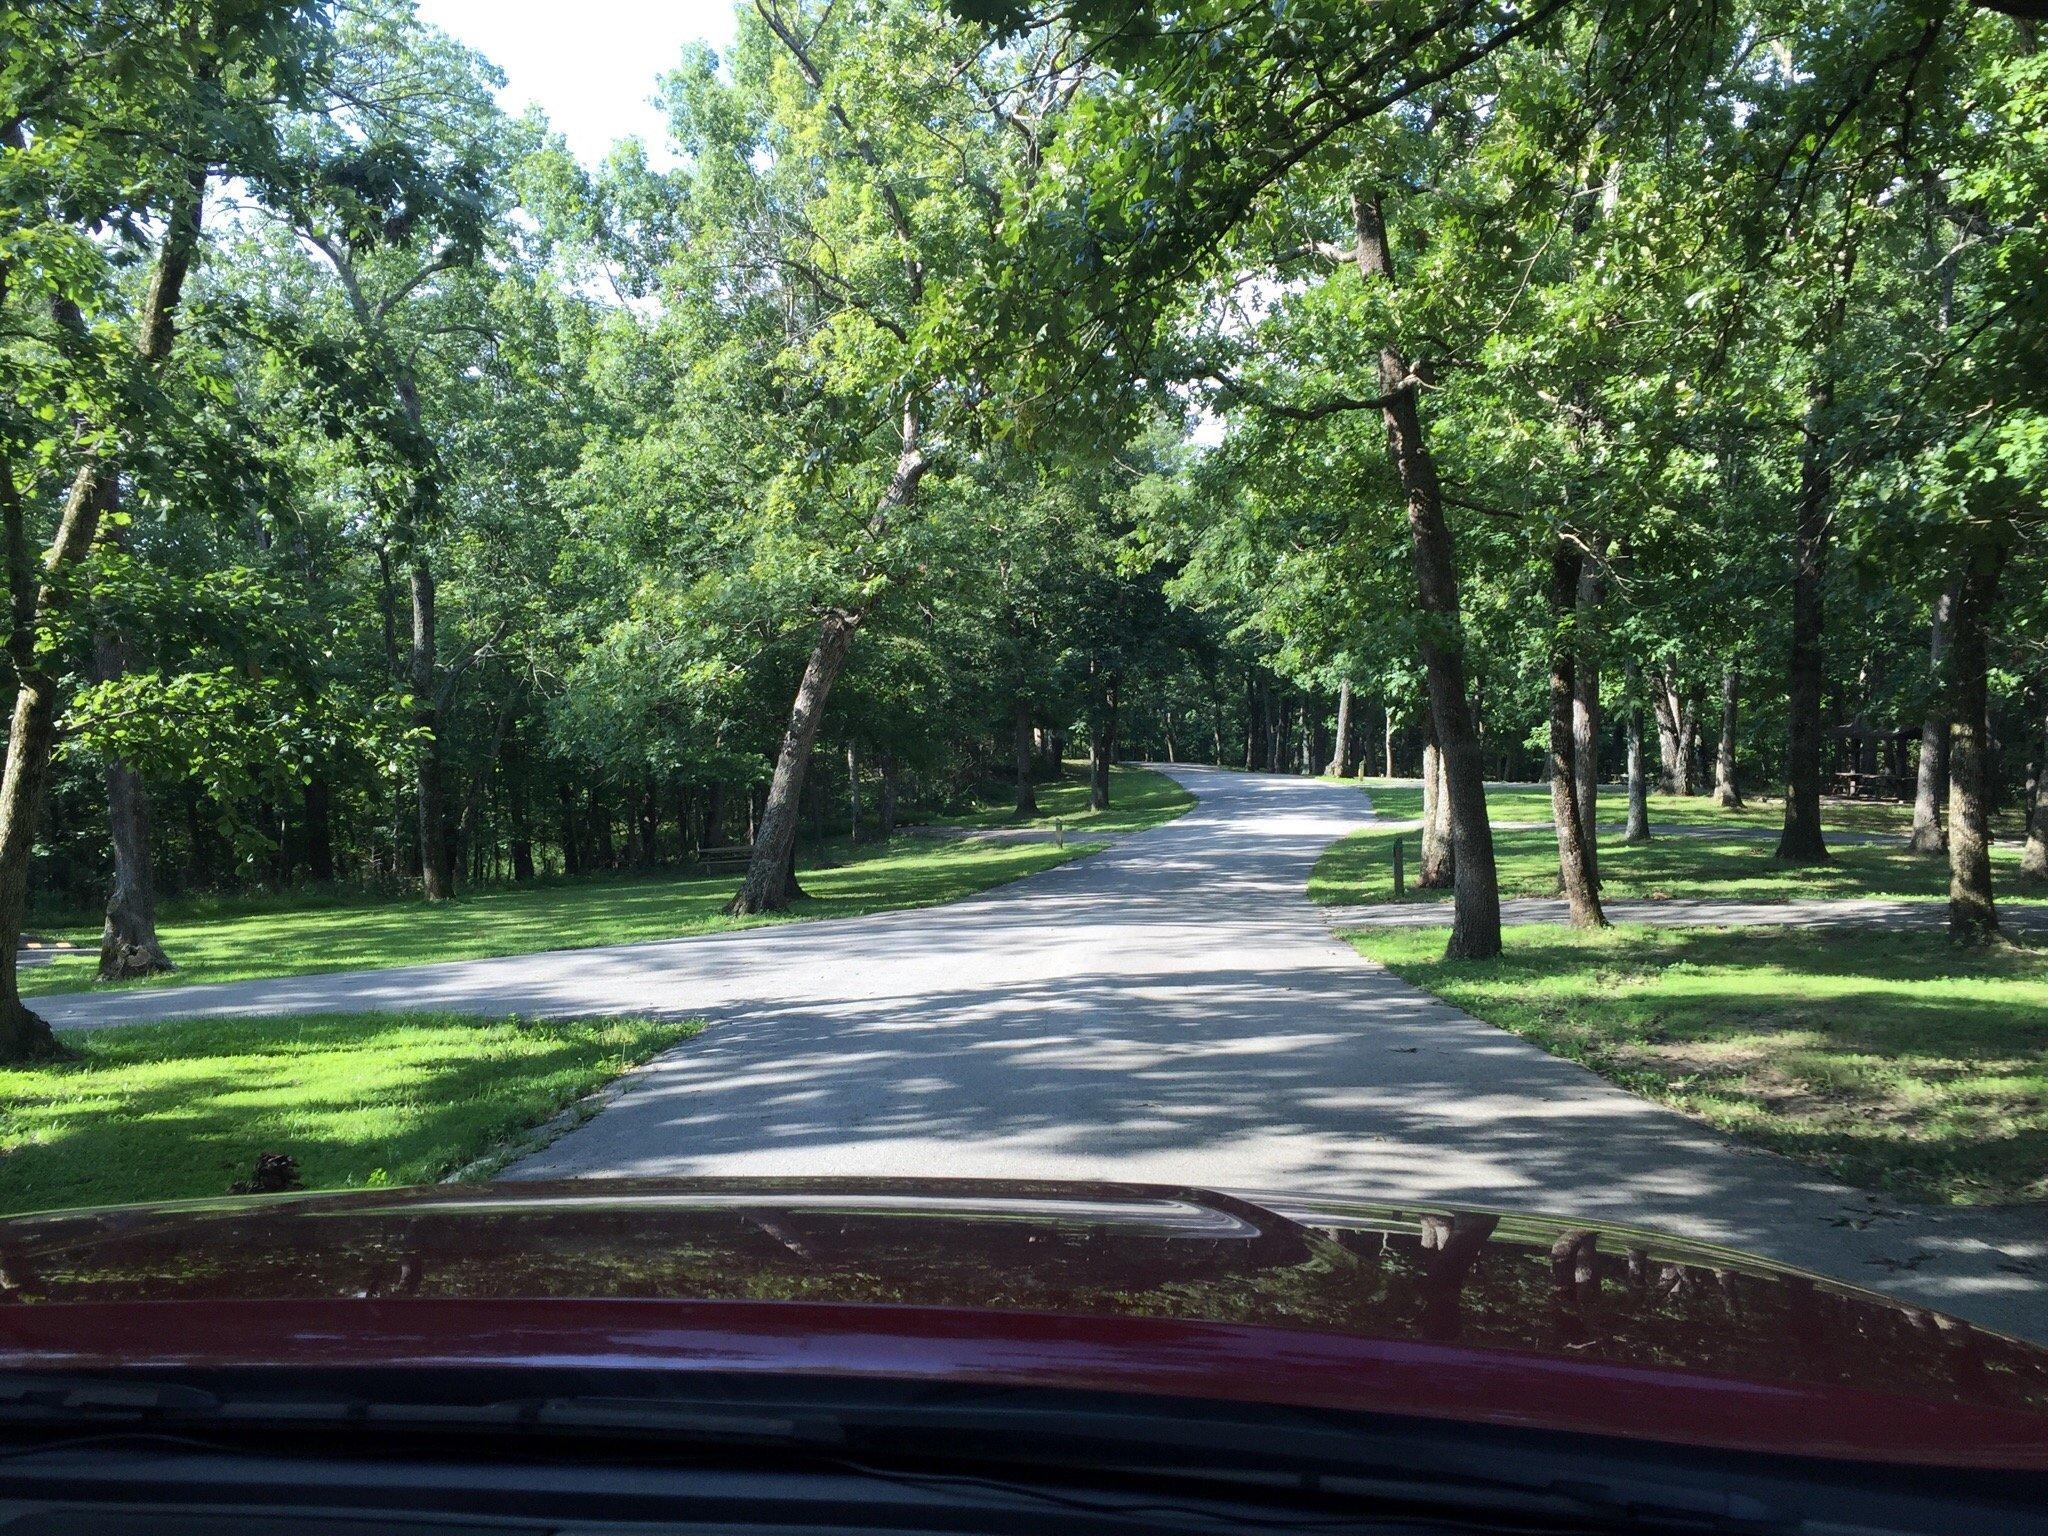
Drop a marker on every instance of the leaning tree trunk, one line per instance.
(1726, 793)
(1638, 828)
(1475, 922)
(770, 885)
(1574, 851)
(769, 871)
(1586, 721)
(24, 1035)
(1930, 779)
(1020, 749)
(1340, 751)
(1972, 915)
(37, 603)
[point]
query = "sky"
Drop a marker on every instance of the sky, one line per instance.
(590, 64)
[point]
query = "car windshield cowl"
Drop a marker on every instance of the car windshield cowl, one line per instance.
(1050, 1444)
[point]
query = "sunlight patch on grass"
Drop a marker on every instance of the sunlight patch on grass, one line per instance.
(1891, 1060)
(248, 940)
(176, 1110)
(1138, 798)
(1359, 869)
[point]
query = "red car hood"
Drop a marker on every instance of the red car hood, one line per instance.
(1502, 1320)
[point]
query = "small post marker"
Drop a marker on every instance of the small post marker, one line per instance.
(1059, 830)
(1400, 880)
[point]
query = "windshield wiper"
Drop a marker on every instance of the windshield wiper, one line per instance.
(42, 1398)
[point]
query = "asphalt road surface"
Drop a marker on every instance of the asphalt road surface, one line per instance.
(1172, 1009)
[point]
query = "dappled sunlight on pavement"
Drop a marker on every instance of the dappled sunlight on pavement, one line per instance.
(1170, 1009)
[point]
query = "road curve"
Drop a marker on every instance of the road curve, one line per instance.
(1172, 1009)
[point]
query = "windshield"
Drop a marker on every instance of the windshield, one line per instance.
(1419, 630)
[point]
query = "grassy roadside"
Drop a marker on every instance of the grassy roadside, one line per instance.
(1138, 798)
(1359, 868)
(232, 942)
(183, 1109)
(243, 938)
(1890, 1060)
(1401, 800)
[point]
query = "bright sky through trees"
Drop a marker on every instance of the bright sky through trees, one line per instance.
(592, 66)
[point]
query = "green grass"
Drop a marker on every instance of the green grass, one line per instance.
(176, 1110)
(1401, 800)
(1895, 1061)
(234, 941)
(1359, 868)
(1138, 798)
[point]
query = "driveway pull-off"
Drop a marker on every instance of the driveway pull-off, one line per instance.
(1172, 1009)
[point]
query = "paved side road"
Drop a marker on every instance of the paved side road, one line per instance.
(1171, 1009)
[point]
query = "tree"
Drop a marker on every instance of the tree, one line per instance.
(391, 184)
(135, 137)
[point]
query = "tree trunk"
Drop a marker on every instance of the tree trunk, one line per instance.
(771, 878)
(1972, 915)
(1574, 852)
(1475, 924)
(1670, 755)
(437, 872)
(1638, 828)
(318, 806)
(571, 833)
(1589, 599)
(1340, 753)
(1930, 779)
(129, 946)
(1388, 744)
(1727, 794)
(37, 602)
(1678, 730)
(1801, 841)
(1436, 870)
(2034, 861)
(1101, 751)
(853, 789)
(769, 870)
(1020, 748)
(128, 941)
(888, 796)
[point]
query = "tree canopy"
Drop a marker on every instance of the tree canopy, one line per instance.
(1452, 388)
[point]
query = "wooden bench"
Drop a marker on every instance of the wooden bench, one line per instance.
(736, 857)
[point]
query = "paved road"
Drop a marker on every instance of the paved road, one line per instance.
(1170, 1009)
